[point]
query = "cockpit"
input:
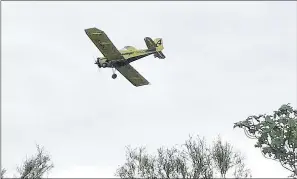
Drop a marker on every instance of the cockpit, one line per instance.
(128, 48)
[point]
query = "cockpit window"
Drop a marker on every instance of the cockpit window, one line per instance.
(127, 47)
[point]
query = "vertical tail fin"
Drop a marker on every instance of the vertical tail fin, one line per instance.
(159, 44)
(156, 45)
(159, 48)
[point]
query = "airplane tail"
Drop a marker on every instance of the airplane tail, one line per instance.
(157, 45)
(159, 48)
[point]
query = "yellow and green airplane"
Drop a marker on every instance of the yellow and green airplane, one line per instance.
(121, 59)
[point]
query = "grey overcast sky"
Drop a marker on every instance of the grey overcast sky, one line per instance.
(225, 61)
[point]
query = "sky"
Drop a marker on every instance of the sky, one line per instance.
(224, 62)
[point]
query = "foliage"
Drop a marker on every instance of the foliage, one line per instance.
(276, 135)
(225, 158)
(36, 166)
(194, 159)
(2, 172)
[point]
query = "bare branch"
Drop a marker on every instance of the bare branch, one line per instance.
(3, 171)
(36, 166)
(191, 160)
(225, 159)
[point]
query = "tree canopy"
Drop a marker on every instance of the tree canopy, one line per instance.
(276, 135)
(193, 159)
(35, 166)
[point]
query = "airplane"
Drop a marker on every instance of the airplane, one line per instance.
(120, 59)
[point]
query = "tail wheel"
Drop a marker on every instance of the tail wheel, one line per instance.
(114, 76)
(104, 65)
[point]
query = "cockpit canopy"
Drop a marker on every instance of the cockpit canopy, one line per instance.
(129, 48)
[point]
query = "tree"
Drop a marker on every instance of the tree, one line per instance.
(225, 158)
(193, 159)
(276, 135)
(36, 166)
(2, 172)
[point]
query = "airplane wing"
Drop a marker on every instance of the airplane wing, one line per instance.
(104, 44)
(132, 75)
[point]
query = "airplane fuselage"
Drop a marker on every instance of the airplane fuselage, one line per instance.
(129, 56)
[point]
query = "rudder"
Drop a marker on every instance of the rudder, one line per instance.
(159, 48)
(159, 43)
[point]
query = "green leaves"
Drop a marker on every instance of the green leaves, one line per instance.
(276, 135)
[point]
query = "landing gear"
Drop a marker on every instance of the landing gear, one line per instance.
(114, 76)
(104, 65)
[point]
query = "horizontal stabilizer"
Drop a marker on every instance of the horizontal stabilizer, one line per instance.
(159, 55)
(150, 43)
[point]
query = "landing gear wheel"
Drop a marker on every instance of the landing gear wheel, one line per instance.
(114, 76)
(104, 65)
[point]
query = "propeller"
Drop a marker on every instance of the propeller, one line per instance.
(96, 62)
